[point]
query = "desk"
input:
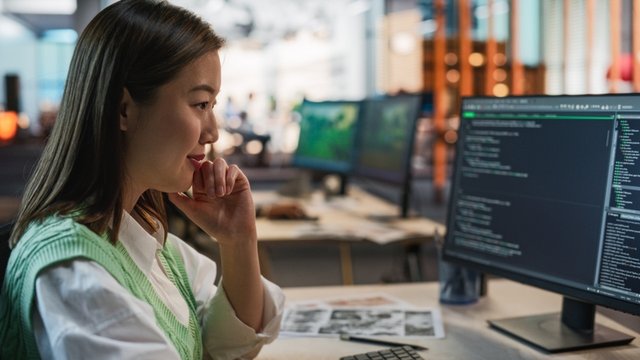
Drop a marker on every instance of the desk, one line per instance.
(468, 336)
(342, 221)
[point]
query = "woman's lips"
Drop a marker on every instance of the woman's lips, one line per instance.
(196, 161)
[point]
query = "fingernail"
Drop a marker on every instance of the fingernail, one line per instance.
(220, 191)
(229, 190)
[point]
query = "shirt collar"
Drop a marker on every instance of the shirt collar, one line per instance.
(141, 246)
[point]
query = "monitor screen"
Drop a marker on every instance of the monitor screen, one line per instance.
(385, 142)
(385, 138)
(546, 191)
(327, 135)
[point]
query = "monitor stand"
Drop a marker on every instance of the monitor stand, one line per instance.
(403, 208)
(573, 329)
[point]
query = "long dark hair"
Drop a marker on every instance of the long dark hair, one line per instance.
(139, 45)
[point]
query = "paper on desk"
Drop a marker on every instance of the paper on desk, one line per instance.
(314, 230)
(352, 228)
(367, 314)
(368, 321)
(377, 232)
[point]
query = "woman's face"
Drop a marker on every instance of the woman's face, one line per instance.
(164, 137)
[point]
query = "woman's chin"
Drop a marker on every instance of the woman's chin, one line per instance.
(179, 184)
(182, 186)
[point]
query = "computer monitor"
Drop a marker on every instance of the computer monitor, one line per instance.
(327, 136)
(385, 142)
(546, 191)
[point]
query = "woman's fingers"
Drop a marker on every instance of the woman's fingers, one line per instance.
(216, 179)
(198, 183)
(206, 174)
(232, 175)
(211, 179)
(220, 168)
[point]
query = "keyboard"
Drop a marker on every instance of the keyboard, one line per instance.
(395, 353)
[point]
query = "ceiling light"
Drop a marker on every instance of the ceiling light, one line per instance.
(58, 7)
(403, 43)
(10, 29)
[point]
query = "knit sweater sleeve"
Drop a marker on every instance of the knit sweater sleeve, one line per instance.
(44, 244)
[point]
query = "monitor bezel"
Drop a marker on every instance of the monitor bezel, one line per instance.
(330, 166)
(562, 289)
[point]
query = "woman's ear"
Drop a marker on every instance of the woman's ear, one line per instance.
(125, 111)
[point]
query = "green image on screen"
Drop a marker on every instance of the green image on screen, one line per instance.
(385, 135)
(327, 130)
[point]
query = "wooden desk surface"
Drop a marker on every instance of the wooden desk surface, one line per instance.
(342, 220)
(467, 333)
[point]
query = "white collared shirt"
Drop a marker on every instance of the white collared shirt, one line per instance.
(82, 312)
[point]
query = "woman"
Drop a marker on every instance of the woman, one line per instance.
(93, 274)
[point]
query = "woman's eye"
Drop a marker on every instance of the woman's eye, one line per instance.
(203, 105)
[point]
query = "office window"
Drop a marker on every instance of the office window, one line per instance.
(54, 56)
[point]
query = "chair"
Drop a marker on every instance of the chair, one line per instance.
(5, 251)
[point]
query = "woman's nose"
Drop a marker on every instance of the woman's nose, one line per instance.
(209, 130)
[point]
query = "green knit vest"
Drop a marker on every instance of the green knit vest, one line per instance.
(58, 239)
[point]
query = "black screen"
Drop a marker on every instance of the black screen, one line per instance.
(546, 190)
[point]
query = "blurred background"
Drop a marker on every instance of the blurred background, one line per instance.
(283, 53)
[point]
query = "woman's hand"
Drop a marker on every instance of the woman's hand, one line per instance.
(222, 204)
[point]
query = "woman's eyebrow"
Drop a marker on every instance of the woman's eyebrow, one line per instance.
(203, 87)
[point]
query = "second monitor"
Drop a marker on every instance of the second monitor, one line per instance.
(327, 137)
(385, 142)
